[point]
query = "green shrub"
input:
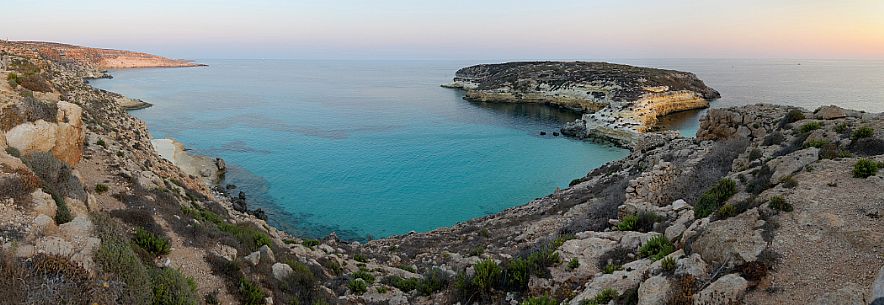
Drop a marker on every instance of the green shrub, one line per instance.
(252, 237)
(301, 278)
(477, 251)
(250, 293)
(403, 284)
(101, 188)
(726, 211)
(862, 132)
(408, 268)
(811, 126)
(541, 300)
(611, 268)
(713, 198)
(627, 223)
(432, 281)
(382, 289)
(310, 243)
(865, 168)
(517, 274)
(62, 213)
(789, 182)
(487, 275)
(363, 274)
(603, 297)
(101, 143)
(357, 286)
(543, 258)
(755, 154)
(793, 116)
(360, 258)
(818, 143)
(841, 128)
(656, 248)
(780, 204)
(151, 243)
(170, 287)
(668, 264)
(118, 258)
(573, 264)
(12, 151)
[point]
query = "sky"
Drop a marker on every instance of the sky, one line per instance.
(458, 29)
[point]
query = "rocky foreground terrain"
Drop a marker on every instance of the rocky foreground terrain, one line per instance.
(619, 102)
(767, 205)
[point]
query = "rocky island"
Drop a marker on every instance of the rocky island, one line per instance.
(619, 102)
(767, 205)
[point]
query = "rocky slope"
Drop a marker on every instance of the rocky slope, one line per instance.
(620, 101)
(769, 205)
(101, 59)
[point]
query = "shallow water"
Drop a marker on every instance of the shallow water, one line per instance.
(360, 148)
(378, 148)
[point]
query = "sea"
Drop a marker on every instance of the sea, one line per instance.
(370, 149)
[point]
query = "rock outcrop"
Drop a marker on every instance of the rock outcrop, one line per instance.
(91, 57)
(621, 102)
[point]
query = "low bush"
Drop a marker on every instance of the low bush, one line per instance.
(668, 264)
(12, 79)
(541, 300)
(656, 248)
(818, 143)
(603, 297)
(363, 274)
(862, 132)
(12, 151)
(487, 276)
(251, 293)
(310, 243)
(867, 146)
(841, 128)
(811, 126)
(642, 222)
(516, 275)
(151, 243)
(611, 268)
(357, 286)
(62, 212)
(713, 198)
(627, 223)
(403, 284)
(792, 116)
(573, 264)
(789, 182)
(726, 211)
(170, 287)
(780, 204)
(18, 184)
(775, 138)
(755, 154)
(433, 281)
(865, 168)
(101, 188)
(115, 256)
(360, 258)
(760, 180)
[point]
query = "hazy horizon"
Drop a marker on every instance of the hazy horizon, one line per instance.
(460, 30)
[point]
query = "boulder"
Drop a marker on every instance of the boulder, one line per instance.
(830, 113)
(628, 278)
(63, 137)
(225, 251)
(791, 163)
(281, 271)
(267, 253)
(692, 265)
(732, 241)
(726, 290)
(654, 291)
(148, 180)
(878, 288)
(254, 258)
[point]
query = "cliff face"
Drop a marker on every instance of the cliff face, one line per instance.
(620, 101)
(101, 59)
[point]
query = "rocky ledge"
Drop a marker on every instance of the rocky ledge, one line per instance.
(620, 102)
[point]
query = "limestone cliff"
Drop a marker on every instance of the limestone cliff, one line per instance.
(620, 101)
(93, 57)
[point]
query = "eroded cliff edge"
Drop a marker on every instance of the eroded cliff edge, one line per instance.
(769, 205)
(619, 102)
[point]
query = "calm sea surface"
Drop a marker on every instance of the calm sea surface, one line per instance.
(378, 148)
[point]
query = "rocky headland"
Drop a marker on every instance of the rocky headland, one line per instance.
(619, 102)
(767, 205)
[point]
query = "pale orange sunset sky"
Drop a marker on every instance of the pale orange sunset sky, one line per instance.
(459, 29)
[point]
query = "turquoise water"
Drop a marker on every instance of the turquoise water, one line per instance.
(360, 148)
(378, 148)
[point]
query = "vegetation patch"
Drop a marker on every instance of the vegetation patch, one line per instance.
(656, 248)
(862, 132)
(541, 300)
(811, 126)
(151, 243)
(170, 287)
(603, 297)
(780, 204)
(642, 222)
(865, 168)
(713, 198)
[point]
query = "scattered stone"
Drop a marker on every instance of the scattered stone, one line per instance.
(727, 289)
(654, 291)
(281, 271)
